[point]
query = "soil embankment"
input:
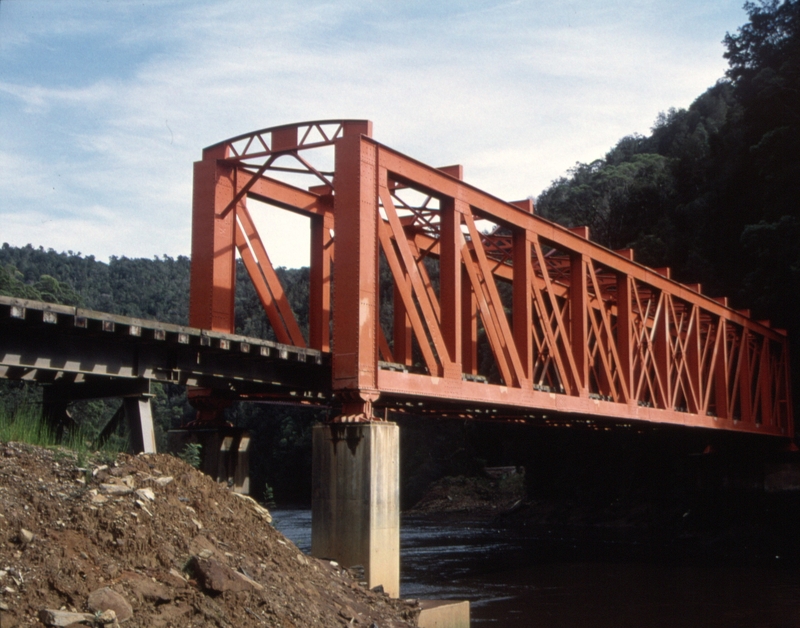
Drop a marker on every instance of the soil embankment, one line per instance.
(165, 544)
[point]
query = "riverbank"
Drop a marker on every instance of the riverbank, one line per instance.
(162, 545)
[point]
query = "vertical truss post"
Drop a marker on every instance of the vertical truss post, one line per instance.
(320, 282)
(624, 334)
(213, 274)
(402, 327)
(469, 326)
(765, 384)
(694, 400)
(721, 375)
(355, 304)
(523, 302)
(661, 352)
(786, 388)
(578, 297)
(745, 379)
(450, 285)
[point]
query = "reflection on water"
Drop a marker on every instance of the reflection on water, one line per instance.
(519, 581)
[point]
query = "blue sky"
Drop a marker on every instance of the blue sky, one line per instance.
(104, 105)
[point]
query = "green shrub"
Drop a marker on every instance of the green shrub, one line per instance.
(191, 454)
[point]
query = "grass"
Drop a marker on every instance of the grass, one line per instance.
(26, 426)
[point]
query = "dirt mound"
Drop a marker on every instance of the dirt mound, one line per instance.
(179, 548)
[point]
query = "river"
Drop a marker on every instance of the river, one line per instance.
(535, 579)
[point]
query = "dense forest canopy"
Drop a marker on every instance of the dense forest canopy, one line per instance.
(713, 192)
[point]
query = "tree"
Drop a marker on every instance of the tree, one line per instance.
(46, 288)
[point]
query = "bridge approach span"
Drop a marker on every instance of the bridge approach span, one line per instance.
(83, 354)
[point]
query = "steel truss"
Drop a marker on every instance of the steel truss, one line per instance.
(493, 306)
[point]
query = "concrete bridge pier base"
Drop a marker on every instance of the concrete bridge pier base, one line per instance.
(224, 453)
(139, 414)
(355, 509)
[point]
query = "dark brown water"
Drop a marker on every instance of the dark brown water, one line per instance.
(537, 579)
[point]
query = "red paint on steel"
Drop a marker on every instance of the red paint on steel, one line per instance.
(580, 329)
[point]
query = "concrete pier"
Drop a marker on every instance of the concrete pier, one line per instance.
(139, 414)
(224, 453)
(355, 510)
(444, 614)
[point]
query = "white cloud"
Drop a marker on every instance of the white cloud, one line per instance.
(515, 91)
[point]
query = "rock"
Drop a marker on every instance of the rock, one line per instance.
(175, 578)
(25, 536)
(63, 618)
(145, 589)
(146, 493)
(253, 583)
(141, 505)
(164, 481)
(258, 508)
(218, 578)
(108, 617)
(357, 572)
(172, 614)
(104, 599)
(347, 613)
(377, 589)
(116, 489)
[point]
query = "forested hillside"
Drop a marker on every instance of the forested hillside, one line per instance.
(157, 288)
(713, 192)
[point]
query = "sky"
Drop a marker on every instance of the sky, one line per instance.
(105, 105)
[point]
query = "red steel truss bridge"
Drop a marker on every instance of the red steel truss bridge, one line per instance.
(488, 309)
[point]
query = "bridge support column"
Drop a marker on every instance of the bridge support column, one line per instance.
(139, 415)
(224, 453)
(355, 511)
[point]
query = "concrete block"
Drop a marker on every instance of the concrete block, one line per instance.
(355, 508)
(139, 414)
(241, 477)
(224, 453)
(443, 614)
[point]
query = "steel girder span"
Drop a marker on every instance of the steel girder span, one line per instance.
(455, 302)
